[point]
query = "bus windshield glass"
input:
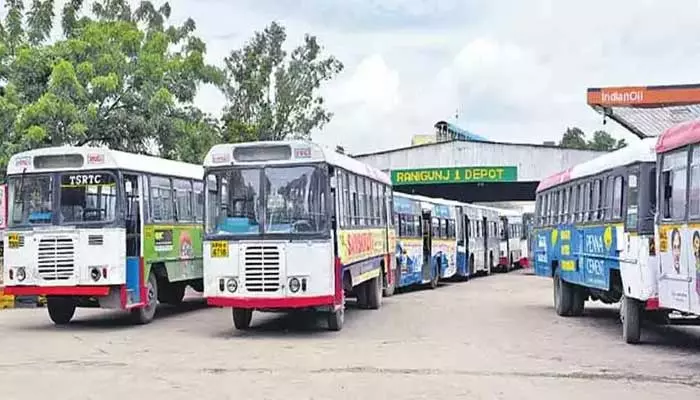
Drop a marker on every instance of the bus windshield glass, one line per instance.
(83, 197)
(30, 200)
(88, 197)
(271, 200)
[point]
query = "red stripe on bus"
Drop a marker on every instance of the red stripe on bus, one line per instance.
(57, 290)
(284, 302)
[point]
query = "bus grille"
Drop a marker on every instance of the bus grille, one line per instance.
(56, 258)
(262, 268)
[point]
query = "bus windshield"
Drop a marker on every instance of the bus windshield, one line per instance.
(87, 197)
(271, 200)
(30, 200)
(82, 197)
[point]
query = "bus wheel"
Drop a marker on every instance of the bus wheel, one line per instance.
(362, 294)
(390, 287)
(144, 315)
(435, 279)
(242, 318)
(61, 309)
(172, 293)
(336, 318)
(630, 316)
(579, 301)
(563, 295)
(374, 293)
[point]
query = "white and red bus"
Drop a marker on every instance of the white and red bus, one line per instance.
(295, 225)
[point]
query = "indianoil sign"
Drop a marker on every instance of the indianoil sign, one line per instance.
(426, 176)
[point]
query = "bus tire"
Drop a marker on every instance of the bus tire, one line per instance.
(144, 315)
(579, 301)
(435, 279)
(362, 295)
(374, 293)
(336, 319)
(390, 288)
(470, 267)
(61, 309)
(563, 295)
(630, 316)
(242, 318)
(172, 293)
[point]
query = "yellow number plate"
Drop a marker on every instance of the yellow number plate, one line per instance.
(13, 240)
(219, 249)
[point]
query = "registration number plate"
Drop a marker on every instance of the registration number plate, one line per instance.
(13, 240)
(219, 249)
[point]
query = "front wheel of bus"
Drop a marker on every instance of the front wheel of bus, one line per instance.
(144, 315)
(336, 319)
(242, 318)
(61, 309)
(630, 316)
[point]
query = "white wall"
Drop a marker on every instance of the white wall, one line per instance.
(534, 162)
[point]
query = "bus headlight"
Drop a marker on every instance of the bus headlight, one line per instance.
(231, 285)
(21, 274)
(294, 285)
(95, 274)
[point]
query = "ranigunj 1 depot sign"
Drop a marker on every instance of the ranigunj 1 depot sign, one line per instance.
(427, 176)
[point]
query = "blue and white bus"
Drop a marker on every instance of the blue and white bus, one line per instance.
(594, 229)
(511, 231)
(426, 242)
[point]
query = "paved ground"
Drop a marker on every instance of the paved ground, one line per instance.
(490, 338)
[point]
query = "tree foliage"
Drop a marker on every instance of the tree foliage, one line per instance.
(122, 77)
(273, 95)
(575, 138)
(126, 77)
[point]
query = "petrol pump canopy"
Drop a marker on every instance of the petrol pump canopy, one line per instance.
(647, 110)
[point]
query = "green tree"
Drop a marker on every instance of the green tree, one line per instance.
(573, 138)
(272, 95)
(124, 78)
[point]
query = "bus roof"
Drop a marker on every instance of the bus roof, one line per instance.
(289, 152)
(678, 136)
(98, 158)
(641, 151)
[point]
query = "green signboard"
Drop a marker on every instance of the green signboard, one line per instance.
(427, 176)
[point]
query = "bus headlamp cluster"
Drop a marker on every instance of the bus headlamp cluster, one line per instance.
(21, 274)
(296, 284)
(232, 285)
(95, 274)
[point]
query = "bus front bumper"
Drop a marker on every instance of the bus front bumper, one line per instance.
(271, 302)
(93, 291)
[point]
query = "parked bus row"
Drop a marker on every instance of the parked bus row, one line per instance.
(624, 227)
(262, 226)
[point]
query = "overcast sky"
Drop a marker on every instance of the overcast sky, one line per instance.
(516, 70)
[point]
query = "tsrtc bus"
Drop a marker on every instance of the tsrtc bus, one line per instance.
(426, 242)
(678, 219)
(484, 243)
(594, 234)
(93, 227)
(511, 232)
(293, 225)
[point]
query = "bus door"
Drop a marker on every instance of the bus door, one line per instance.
(134, 193)
(505, 236)
(485, 232)
(427, 270)
(467, 244)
